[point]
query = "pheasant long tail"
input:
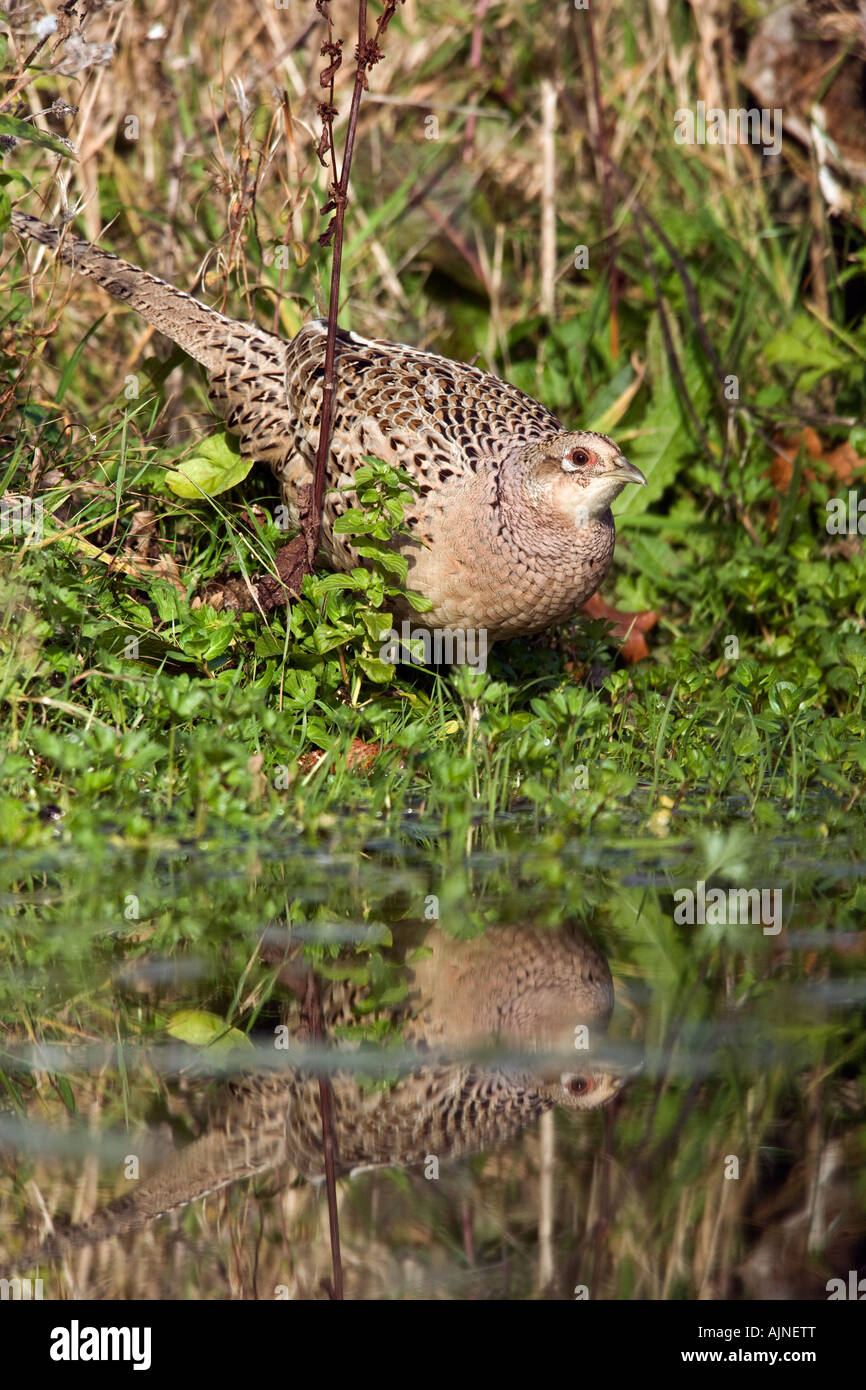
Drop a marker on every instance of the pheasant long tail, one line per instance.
(204, 333)
(250, 1139)
(246, 365)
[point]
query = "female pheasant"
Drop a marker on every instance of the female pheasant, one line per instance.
(511, 531)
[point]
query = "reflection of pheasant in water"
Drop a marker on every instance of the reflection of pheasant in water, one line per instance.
(526, 989)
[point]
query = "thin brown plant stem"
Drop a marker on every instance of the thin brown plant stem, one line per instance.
(607, 198)
(546, 1197)
(314, 1022)
(602, 1225)
(366, 54)
(329, 384)
(298, 558)
(548, 197)
(481, 8)
(325, 1099)
(286, 113)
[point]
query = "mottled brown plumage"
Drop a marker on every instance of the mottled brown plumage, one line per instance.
(514, 986)
(512, 530)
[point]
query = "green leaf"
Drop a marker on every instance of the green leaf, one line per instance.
(202, 1029)
(379, 671)
(358, 974)
(378, 624)
(16, 176)
(358, 579)
(25, 131)
(268, 645)
(208, 641)
(394, 564)
(664, 442)
(64, 1090)
(419, 953)
(300, 687)
(166, 600)
(216, 467)
(419, 602)
(352, 523)
(809, 350)
(327, 639)
(69, 369)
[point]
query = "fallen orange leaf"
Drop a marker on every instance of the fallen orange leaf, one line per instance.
(629, 627)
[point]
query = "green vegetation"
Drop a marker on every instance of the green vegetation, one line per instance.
(163, 751)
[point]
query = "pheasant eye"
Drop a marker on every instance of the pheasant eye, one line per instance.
(579, 1085)
(577, 458)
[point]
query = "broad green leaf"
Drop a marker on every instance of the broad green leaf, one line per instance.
(358, 974)
(301, 686)
(209, 641)
(353, 522)
(394, 564)
(327, 639)
(419, 602)
(379, 671)
(378, 624)
(202, 1029)
(216, 467)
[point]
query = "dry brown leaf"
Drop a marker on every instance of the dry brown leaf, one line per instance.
(629, 627)
(360, 757)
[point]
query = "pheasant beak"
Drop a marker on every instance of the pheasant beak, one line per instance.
(626, 471)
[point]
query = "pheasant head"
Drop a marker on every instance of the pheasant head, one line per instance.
(576, 476)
